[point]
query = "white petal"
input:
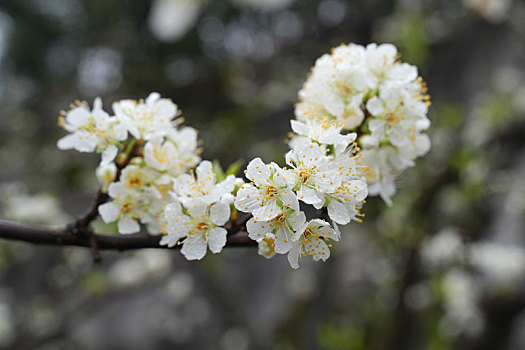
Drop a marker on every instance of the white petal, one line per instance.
(308, 195)
(283, 239)
(293, 255)
(258, 230)
(359, 188)
(67, 142)
(266, 247)
(225, 186)
(323, 228)
(281, 177)
(78, 116)
(248, 199)
(317, 248)
(267, 211)
(219, 213)
(297, 220)
(152, 98)
(299, 127)
(404, 72)
(422, 124)
(368, 141)
(289, 199)
(338, 212)
(327, 181)
(197, 209)
(375, 106)
(258, 172)
(86, 142)
(194, 248)
(127, 225)
(120, 129)
(291, 156)
(333, 104)
(166, 109)
(205, 174)
(377, 127)
(169, 240)
(217, 239)
(422, 144)
(117, 189)
(97, 103)
(109, 212)
(109, 154)
(183, 185)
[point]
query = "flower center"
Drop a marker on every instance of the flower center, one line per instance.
(135, 182)
(271, 192)
(202, 225)
(307, 233)
(126, 207)
(304, 175)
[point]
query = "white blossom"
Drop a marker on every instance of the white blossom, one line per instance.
(379, 174)
(269, 193)
(313, 173)
(130, 207)
(369, 91)
(199, 227)
(281, 228)
(266, 246)
(322, 130)
(92, 130)
(172, 151)
(145, 118)
(106, 174)
(202, 188)
(335, 87)
(312, 240)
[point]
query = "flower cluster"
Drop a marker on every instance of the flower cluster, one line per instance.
(358, 125)
(147, 171)
(367, 90)
(324, 172)
(199, 207)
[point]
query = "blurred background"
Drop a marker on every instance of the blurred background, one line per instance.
(442, 268)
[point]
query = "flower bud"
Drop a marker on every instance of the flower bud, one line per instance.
(239, 182)
(106, 175)
(267, 247)
(227, 198)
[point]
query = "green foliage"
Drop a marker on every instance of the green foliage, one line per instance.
(95, 282)
(332, 337)
(414, 45)
(497, 110)
(449, 116)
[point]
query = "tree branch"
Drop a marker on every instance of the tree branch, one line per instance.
(64, 237)
(81, 227)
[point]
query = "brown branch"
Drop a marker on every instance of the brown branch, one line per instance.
(81, 226)
(92, 213)
(65, 237)
(236, 225)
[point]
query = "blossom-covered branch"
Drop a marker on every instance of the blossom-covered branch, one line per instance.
(359, 124)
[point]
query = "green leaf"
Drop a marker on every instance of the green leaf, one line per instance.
(217, 170)
(234, 168)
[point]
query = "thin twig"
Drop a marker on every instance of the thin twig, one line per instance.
(82, 226)
(92, 213)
